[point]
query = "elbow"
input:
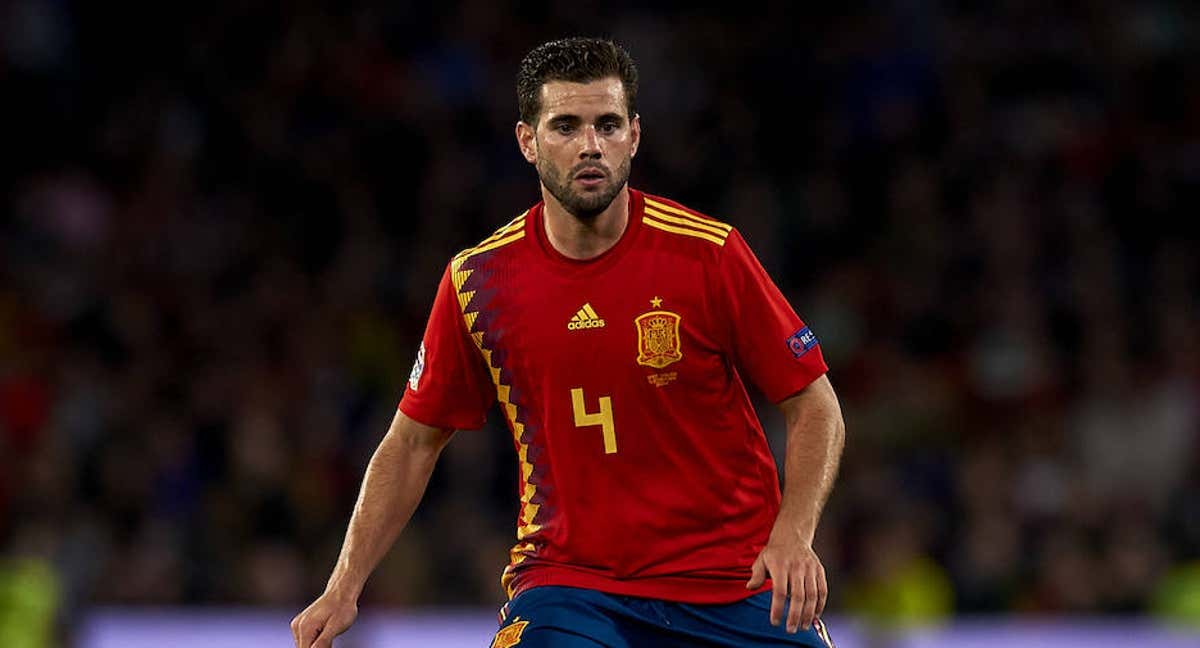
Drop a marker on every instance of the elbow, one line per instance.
(416, 441)
(426, 446)
(817, 408)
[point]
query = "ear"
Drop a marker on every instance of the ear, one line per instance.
(525, 136)
(635, 132)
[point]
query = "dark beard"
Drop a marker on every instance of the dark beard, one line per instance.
(582, 206)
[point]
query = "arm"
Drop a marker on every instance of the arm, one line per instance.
(815, 436)
(394, 483)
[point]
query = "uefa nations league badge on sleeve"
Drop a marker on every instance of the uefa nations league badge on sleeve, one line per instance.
(414, 378)
(802, 342)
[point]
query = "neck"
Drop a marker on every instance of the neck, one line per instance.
(580, 239)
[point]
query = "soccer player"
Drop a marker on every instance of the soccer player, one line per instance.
(615, 328)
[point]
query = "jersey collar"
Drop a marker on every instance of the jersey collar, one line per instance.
(536, 230)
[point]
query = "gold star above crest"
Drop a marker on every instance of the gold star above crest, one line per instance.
(656, 302)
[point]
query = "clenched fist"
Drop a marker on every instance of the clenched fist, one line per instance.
(327, 617)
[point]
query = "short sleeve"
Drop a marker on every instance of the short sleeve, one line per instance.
(770, 344)
(448, 387)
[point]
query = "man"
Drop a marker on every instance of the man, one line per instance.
(614, 328)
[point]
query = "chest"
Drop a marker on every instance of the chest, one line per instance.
(645, 320)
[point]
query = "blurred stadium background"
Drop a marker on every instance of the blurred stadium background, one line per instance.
(222, 228)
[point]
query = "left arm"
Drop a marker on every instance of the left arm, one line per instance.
(815, 436)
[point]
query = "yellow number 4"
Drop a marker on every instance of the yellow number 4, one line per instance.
(603, 418)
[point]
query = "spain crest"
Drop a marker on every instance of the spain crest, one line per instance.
(658, 339)
(510, 635)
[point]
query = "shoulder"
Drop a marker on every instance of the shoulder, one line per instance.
(686, 225)
(510, 232)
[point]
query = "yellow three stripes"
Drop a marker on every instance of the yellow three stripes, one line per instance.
(672, 219)
(700, 219)
(514, 230)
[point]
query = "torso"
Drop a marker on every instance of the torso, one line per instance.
(643, 467)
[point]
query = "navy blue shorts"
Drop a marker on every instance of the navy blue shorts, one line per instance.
(569, 617)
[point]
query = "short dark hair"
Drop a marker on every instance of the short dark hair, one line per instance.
(579, 60)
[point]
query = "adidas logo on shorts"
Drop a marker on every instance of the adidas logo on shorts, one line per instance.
(586, 318)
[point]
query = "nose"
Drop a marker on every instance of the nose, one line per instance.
(591, 144)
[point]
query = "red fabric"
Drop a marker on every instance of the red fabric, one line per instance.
(683, 506)
(458, 392)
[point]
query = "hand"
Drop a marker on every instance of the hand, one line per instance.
(328, 616)
(792, 565)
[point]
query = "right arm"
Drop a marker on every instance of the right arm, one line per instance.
(394, 483)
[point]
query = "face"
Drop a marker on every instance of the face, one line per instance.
(582, 143)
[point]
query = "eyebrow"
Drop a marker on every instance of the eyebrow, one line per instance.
(575, 119)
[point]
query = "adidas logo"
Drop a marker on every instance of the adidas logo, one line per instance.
(586, 318)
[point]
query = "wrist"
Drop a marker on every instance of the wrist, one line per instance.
(343, 589)
(792, 530)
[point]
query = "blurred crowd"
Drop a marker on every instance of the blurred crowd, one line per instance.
(222, 226)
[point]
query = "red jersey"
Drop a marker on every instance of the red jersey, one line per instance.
(643, 469)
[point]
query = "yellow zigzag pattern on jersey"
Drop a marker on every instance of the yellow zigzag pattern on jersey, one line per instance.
(516, 556)
(672, 219)
(525, 526)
